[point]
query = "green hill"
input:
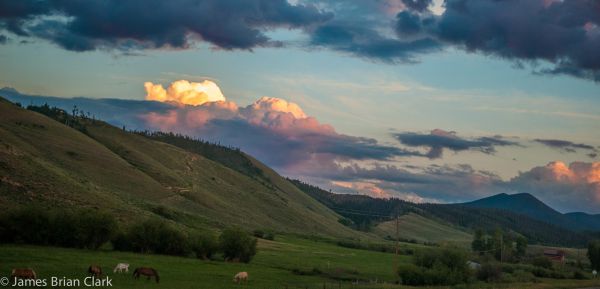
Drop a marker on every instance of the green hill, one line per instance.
(415, 227)
(79, 162)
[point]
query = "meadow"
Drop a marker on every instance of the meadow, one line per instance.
(288, 262)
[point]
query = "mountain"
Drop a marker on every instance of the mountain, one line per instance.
(528, 205)
(52, 159)
(367, 212)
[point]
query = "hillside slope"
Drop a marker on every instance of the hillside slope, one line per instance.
(416, 227)
(45, 162)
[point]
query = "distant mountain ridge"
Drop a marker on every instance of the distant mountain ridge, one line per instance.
(365, 211)
(527, 204)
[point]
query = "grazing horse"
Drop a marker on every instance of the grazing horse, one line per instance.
(241, 276)
(23, 273)
(146, 271)
(120, 267)
(95, 270)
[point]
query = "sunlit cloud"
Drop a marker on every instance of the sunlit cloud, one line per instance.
(185, 92)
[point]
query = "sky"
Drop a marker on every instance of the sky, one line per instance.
(427, 101)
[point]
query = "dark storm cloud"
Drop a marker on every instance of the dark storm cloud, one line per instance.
(418, 5)
(88, 25)
(364, 42)
(438, 140)
(567, 146)
(564, 33)
(3, 39)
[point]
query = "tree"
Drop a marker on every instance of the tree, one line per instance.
(521, 246)
(237, 245)
(594, 254)
(478, 243)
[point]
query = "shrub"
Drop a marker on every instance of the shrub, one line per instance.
(579, 275)
(95, 229)
(80, 228)
(153, 236)
(237, 245)
(269, 236)
(411, 275)
(489, 272)
(204, 246)
(542, 262)
(436, 267)
(258, 233)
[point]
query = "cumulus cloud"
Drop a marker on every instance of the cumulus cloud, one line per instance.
(568, 146)
(185, 92)
(274, 130)
(565, 187)
(438, 140)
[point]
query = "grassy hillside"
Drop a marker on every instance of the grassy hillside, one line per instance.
(97, 165)
(416, 227)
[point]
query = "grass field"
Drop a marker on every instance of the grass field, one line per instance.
(288, 262)
(419, 228)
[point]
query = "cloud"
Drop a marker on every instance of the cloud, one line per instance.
(185, 92)
(3, 39)
(152, 24)
(564, 36)
(418, 5)
(419, 184)
(438, 140)
(564, 33)
(568, 146)
(365, 41)
(566, 187)
(274, 130)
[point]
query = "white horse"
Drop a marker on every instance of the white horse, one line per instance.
(121, 267)
(241, 276)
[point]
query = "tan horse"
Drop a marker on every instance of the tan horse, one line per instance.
(241, 276)
(95, 270)
(146, 271)
(23, 273)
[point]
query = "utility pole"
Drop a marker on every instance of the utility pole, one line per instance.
(501, 248)
(397, 242)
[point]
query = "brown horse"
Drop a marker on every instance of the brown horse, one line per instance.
(146, 271)
(23, 273)
(95, 270)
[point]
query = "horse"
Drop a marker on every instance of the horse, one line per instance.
(23, 273)
(95, 270)
(146, 271)
(241, 276)
(120, 267)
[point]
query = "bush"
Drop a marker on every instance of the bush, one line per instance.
(79, 229)
(153, 236)
(579, 275)
(436, 267)
(489, 272)
(204, 246)
(269, 236)
(411, 275)
(237, 245)
(542, 262)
